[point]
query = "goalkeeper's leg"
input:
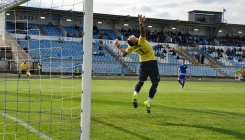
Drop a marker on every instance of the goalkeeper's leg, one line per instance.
(19, 74)
(155, 79)
(136, 91)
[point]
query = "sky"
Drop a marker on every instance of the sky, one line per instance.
(162, 9)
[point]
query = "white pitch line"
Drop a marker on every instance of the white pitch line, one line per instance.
(27, 126)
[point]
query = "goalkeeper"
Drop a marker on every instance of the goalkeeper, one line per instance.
(24, 69)
(148, 63)
(78, 72)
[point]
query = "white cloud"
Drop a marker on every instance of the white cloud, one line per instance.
(154, 8)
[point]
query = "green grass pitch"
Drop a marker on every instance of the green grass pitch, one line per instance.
(203, 110)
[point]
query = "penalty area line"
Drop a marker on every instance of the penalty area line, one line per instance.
(27, 126)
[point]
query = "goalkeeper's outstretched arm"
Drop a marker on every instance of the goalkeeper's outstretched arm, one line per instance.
(141, 23)
(118, 45)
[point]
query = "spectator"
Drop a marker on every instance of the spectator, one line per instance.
(172, 50)
(174, 53)
(118, 54)
(101, 53)
(155, 47)
(243, 75)
(240, 59)
(39, 66)
(221, 50)
(100, 47)
(59, 40)
(230, 57)
(220, 54)
(50, 24)
(164, 51)
(202, 59)
(25, 49)
(157, 54)
(27, 37)
(95, 52)
(243, 55)
(162, 55)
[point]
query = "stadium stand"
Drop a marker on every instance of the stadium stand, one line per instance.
(170, 47)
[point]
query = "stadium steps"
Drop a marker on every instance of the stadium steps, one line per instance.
(10, 4)
(213, 63)
(221, 72)
(189, 57)
(119, 61)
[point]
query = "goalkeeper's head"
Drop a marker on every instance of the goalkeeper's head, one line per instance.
(132, 40)
(24, 62)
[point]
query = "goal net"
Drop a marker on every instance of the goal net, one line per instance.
(40, 70)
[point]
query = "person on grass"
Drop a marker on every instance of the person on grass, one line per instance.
(148, 63)
(182, 73)
(24, 69)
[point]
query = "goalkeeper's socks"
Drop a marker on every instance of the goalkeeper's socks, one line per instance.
(149, 100)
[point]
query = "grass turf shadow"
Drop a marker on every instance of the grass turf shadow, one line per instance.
(122, 129)
(238, 135)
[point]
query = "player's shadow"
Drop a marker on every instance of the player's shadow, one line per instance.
(204, 111)
(135, 134)
(238, 135)
(159, 106)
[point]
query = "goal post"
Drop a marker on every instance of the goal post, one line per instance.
(87, 70)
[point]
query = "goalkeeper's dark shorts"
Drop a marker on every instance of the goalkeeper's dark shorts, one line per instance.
(149, 69)
(78, 74)
(23, 71)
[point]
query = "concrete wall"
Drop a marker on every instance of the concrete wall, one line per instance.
(230, 31)
(190, 29)
(191, 16)
(2, 26)
(16, 36)
(135, 25)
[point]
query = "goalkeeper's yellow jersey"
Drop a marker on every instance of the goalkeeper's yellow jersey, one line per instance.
(24, 66)
(143, 49)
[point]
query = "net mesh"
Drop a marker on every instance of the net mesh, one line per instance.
(45, 104)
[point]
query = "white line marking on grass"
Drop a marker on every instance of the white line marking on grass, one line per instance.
(27, 126)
